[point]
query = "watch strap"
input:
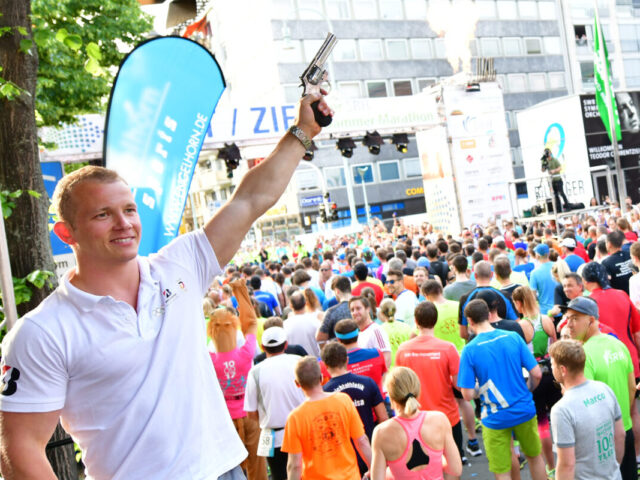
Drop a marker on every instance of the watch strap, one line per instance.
(300, 135)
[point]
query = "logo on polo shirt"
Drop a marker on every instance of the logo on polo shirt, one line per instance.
(10, 376)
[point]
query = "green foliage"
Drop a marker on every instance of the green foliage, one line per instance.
(7, 199)
(77, 44)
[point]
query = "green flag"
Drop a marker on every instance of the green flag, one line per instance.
(605, 98)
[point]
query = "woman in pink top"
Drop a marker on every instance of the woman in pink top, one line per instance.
(232, 365)
(415, 444)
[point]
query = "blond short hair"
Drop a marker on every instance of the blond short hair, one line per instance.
(569, 353)
(63, 195)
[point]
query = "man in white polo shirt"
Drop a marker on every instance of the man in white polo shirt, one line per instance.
(406, 300)
(118, 351)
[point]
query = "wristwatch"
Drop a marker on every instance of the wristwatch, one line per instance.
(300, 135)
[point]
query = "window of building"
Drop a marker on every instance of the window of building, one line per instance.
(345, 51)
(397, 49)
(310, 9)
(507, 9)
(512, 46)
(365, 9)
(552, 45)
(283, 9)
(502, 81)
(426, 82)
(292, 93)
(371, 49)
(338, 9)
(537, 82)
(473, 47)
(556, 80)
(517, 82)
(415, 9)
(391, 9)
(307, 179)
(402, 88)
(580, 32)
(528, 9)
(547, 10)
(486, 9)
(490, 47)
(586, 71)
(377, 88)
(440, 48)
(334, 177)
(507, 119)
(632, 71)
(389, 171)
(606, 31)
(514, 117)
(350, 89)
(412, 167)
(624, 8)
(629, 38)
(533, 46)
(289, 51)
(420, 48)
(311, 48)
(366, 174)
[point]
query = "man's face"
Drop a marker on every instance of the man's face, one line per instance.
(394, 284)
(106, 226)
(628, 112)
(359, 312)
(420, 277)
(571, 288)
(577, 324)
(556, 371)
(325, 271)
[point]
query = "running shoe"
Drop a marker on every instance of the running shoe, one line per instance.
(473, 447)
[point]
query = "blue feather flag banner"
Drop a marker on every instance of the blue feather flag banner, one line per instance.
(160, 108)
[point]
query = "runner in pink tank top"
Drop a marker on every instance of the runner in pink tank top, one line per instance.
(421, 454)
(416, 444)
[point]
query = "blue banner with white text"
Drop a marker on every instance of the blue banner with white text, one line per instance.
(161, 104)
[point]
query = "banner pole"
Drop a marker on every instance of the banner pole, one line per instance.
(6, 280)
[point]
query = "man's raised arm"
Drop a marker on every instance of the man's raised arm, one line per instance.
(262, 186)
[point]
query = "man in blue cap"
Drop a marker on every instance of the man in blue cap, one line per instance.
(541, 280)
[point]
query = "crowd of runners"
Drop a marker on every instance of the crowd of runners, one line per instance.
(384, 353)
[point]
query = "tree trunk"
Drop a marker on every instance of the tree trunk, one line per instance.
(27, 230)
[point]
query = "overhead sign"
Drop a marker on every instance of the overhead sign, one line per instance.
(161, 104)
(312, 201)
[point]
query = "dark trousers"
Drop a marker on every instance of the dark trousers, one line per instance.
(558, 191)
(457, 437)
(278, 464)
(628, 467)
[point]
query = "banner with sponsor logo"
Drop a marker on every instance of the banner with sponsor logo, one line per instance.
(479, 151)
(552, 124)
(161, 105)
(438, 183)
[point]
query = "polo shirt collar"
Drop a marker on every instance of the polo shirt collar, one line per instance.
(87, 301)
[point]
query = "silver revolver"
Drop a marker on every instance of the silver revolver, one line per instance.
(316, 74)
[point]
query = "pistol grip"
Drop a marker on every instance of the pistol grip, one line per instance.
(322, 119)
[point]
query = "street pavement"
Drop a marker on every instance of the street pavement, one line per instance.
(478, 467)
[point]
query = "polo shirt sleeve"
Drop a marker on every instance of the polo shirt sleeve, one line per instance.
(466, 373)
(34, 373)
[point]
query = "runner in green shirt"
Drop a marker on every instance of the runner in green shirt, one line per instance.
(398, 332)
